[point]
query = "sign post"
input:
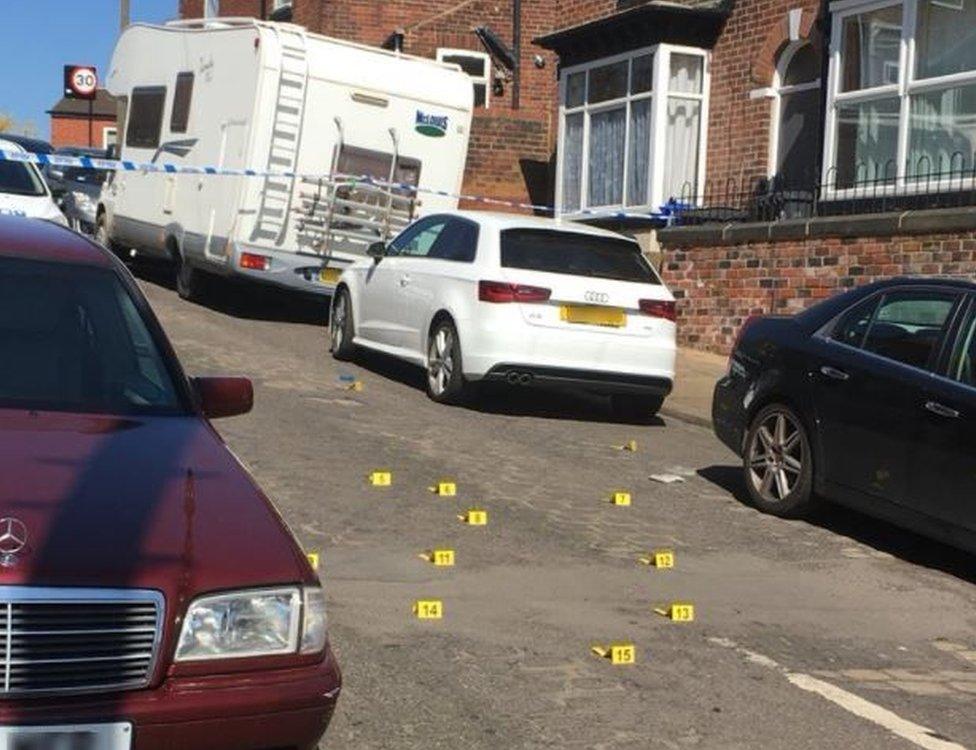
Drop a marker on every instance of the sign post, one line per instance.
(81, 82)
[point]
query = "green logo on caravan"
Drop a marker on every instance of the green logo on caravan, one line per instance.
(433, 125)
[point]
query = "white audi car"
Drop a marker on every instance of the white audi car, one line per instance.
(474, 296)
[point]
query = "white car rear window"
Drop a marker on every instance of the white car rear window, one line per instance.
(575, 254)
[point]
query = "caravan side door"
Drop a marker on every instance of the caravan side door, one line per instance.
(140, 194)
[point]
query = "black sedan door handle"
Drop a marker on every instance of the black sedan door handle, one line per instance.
(943, 411)
(834, 373)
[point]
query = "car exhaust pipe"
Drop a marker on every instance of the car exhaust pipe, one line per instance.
(525, 378)
(514, 377)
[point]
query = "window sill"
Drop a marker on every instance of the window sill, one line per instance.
(931, 221)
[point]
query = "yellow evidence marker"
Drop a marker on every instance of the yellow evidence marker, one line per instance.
(678, 612)
(630, 446)
(442, 558)
(475, 517)
(659, 558)
(428, 609)
(356, 385)
(617, 653)
(620, 498)
(313, 560)
(381, 478)
(444, 489)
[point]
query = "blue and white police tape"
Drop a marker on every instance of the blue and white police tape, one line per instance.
(667, 213)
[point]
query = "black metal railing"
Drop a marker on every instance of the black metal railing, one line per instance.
(860, 188)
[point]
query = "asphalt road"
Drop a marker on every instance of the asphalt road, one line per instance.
(836, 632)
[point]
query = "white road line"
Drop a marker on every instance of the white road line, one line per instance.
(915, 733)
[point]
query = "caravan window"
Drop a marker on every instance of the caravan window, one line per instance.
(182, 96)
(357, 162)
(145, 117)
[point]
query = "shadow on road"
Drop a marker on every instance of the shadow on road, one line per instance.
(497, 398)
(243, 300)
(873, 532)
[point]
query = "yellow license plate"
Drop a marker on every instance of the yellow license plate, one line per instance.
(329, 275)
(594, 316)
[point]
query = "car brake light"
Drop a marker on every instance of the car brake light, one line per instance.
(501, 291)
(738, 338)
(658, 308)
(254, 261)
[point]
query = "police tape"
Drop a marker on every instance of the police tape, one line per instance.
(667, 212)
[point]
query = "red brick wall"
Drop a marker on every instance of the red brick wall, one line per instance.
(194, 8)
(574, 12)
(73, 131)
(719, 286)
(743, 60)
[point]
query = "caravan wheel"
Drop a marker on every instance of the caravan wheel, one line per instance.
(189, 281)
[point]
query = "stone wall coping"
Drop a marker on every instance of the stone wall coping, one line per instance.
(928, 221)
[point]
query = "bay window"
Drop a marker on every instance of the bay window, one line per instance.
(631, 132)
(901, 110)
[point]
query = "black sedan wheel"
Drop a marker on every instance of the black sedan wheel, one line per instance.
(778, 462)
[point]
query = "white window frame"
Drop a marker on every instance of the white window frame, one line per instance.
(114, 131)
(906, 86)
(277, 5)
(443, 52)
(776, 93)
(659, 95)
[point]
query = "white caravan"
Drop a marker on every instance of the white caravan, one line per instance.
(246, 94)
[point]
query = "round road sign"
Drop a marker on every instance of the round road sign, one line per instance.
(83, 81)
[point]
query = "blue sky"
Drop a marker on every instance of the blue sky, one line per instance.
(41, 36)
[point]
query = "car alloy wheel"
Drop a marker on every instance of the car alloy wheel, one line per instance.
(776, 457)
(440, 361)
(337, 323)
(340, 327)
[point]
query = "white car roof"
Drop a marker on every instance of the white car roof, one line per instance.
(498, 220)
(10, 145)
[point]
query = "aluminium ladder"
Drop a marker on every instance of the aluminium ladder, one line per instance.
(286, 135)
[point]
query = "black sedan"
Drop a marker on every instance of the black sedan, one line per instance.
(867, 399)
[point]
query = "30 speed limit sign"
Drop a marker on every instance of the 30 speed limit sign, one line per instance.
(80, 81)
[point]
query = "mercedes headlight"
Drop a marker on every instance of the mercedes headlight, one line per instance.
(261, 622)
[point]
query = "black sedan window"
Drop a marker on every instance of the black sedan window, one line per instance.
(855, 323)
(964, 364)
(907, 326)
(72, 339)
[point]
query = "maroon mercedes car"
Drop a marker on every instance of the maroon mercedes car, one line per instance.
(150, 594)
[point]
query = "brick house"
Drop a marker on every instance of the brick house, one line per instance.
(70, 126)
(805, 146)
(840, 150)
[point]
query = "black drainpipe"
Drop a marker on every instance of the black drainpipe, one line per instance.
(517, 49)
